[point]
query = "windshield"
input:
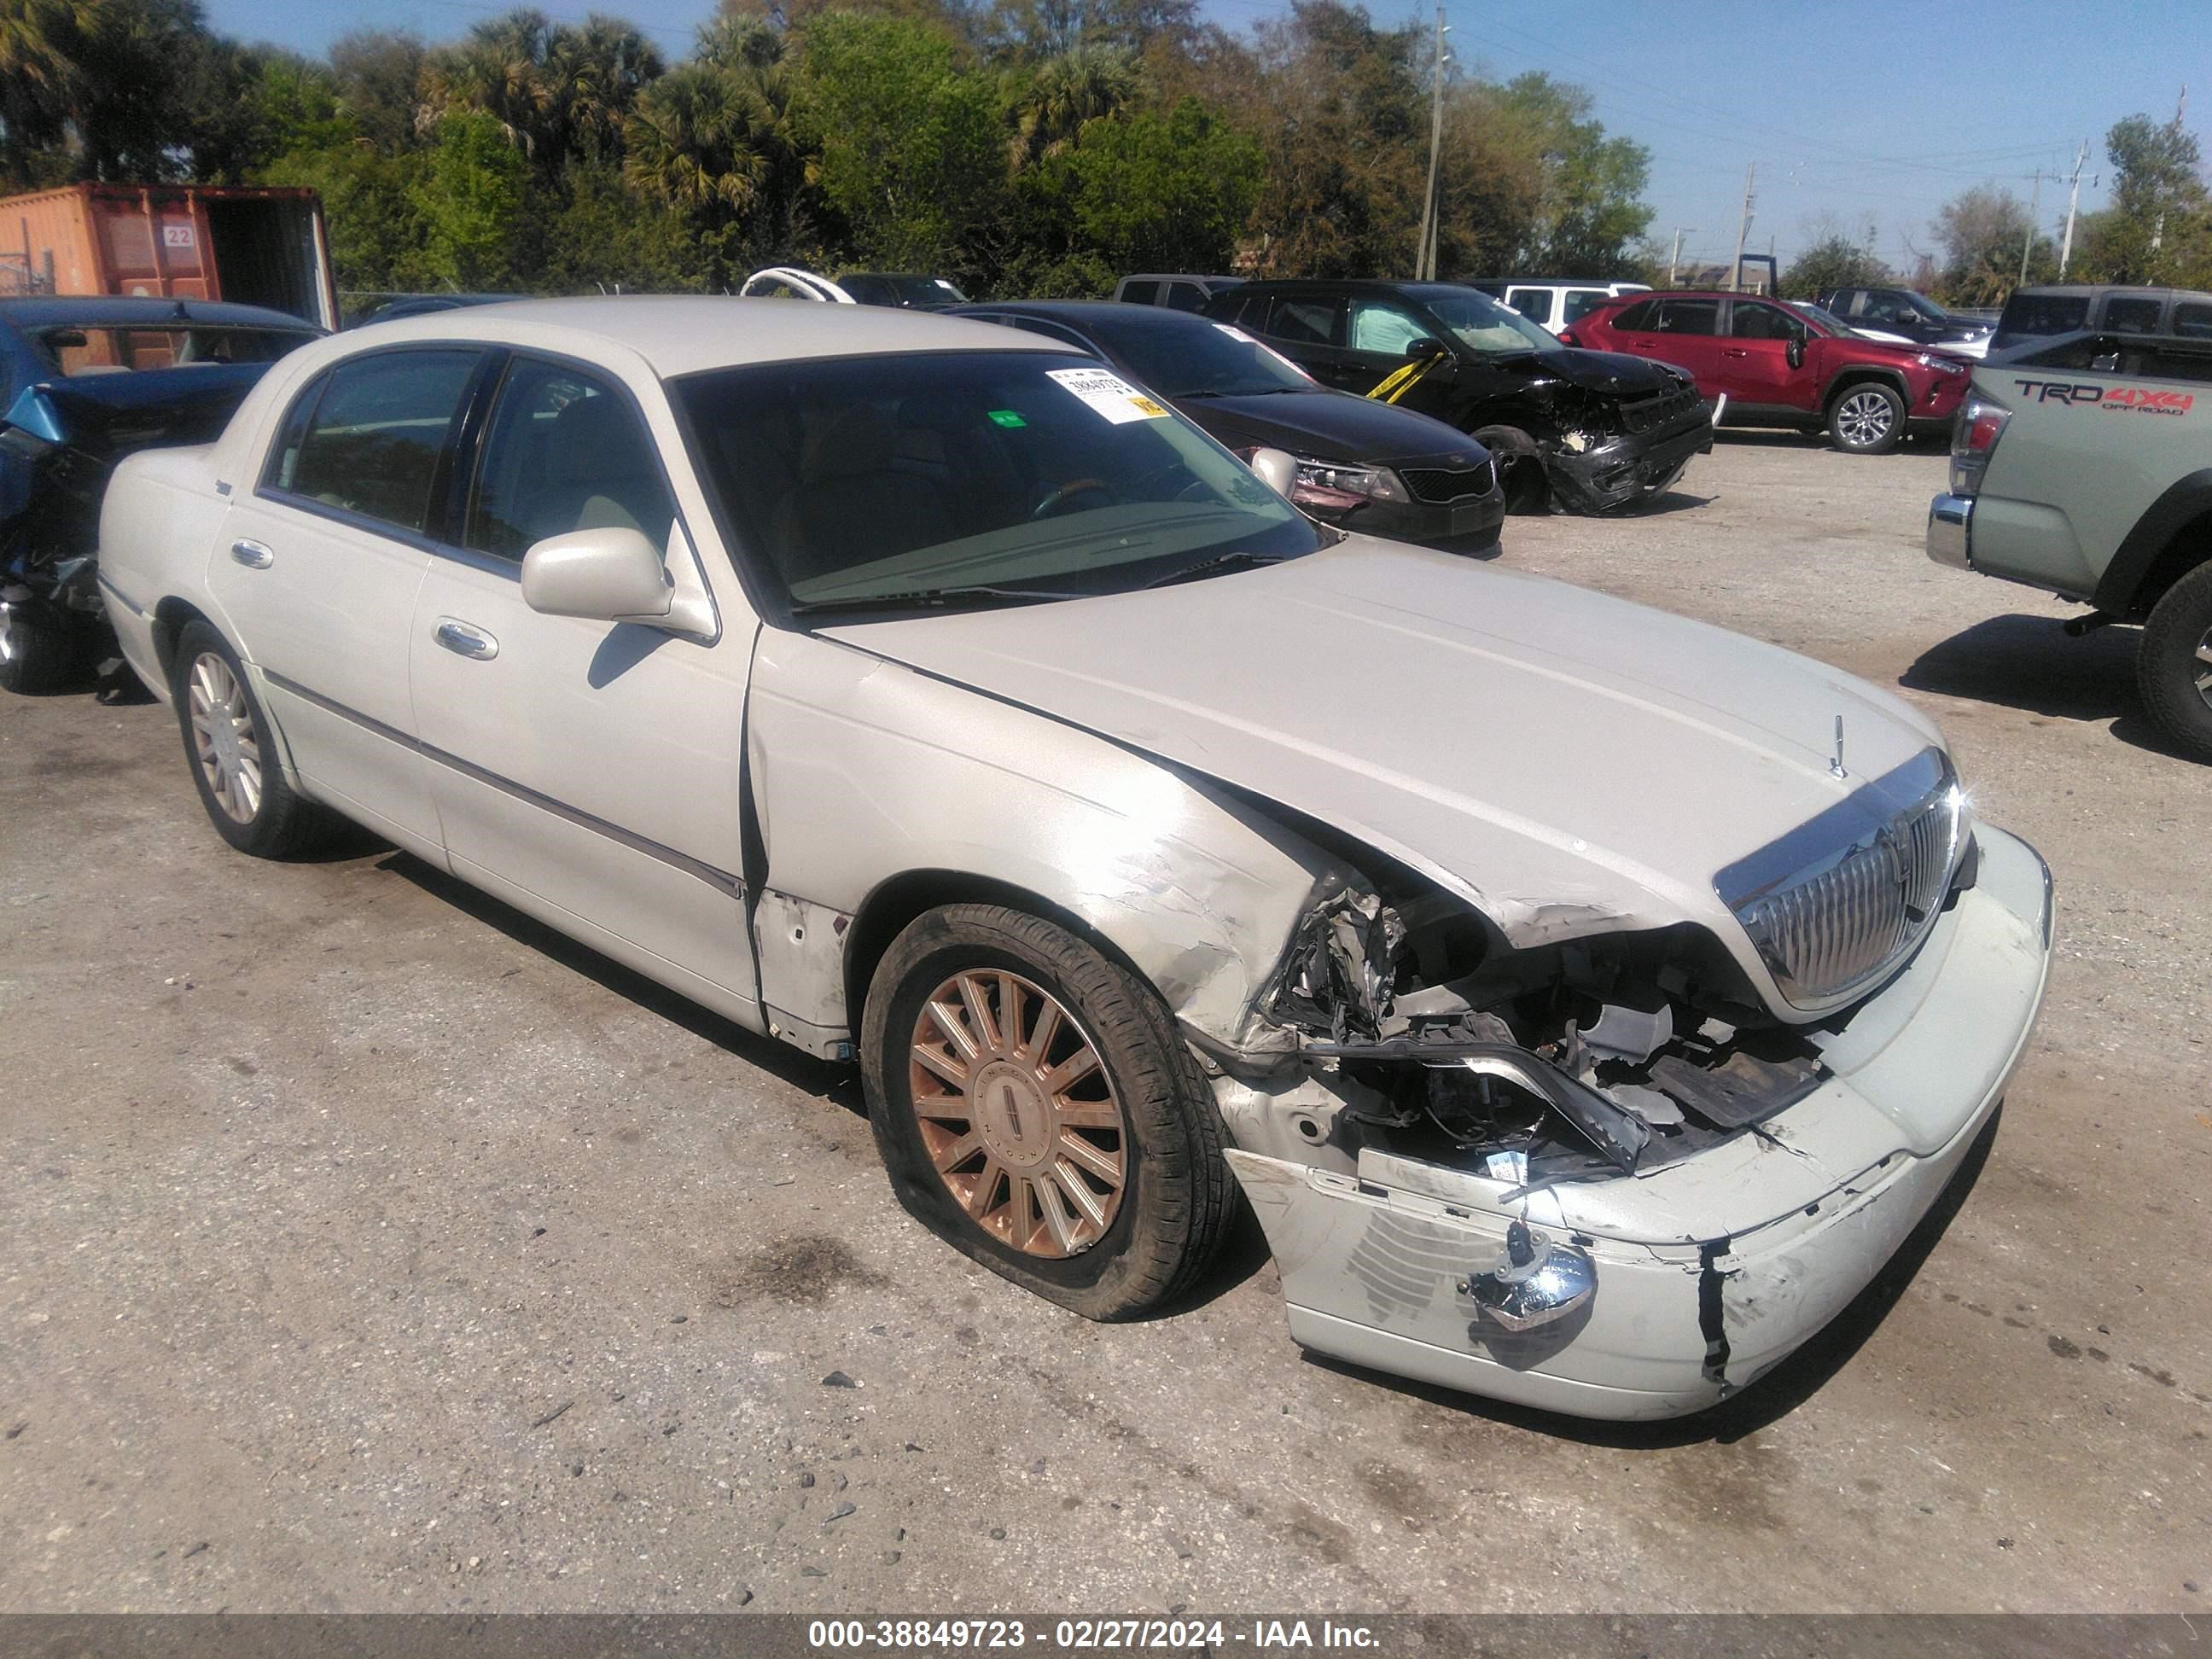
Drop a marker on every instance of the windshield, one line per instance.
(1482, 323)
(78, 350)
(1211, 360)
(875, 289)
(1926, 307)
(974, 477)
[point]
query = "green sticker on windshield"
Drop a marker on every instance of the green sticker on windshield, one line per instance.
(1007, 417)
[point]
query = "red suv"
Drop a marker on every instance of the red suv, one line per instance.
(1784, 364)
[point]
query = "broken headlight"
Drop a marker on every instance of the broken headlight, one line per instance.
(1331, 485)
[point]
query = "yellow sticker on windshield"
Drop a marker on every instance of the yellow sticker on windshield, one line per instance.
(1110, 395)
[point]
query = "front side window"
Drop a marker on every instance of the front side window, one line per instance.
(1753, 321)
(1186, 297)
(2131, 315)
(564, 452)
(378, 426)
(1581, 301)
(1386, 329)
(1138, 293)
(1534, 303)
(2193, 319)
(1481, 323)
(920, 481)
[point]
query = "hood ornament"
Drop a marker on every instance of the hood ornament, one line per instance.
(1836, 760)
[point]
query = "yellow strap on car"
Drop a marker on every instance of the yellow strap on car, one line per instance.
(1396, 384)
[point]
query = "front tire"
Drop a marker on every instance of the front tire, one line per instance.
(1520, 467)
(233, 753)
(2173, 664)
(1037, 1111)
(1866, 419)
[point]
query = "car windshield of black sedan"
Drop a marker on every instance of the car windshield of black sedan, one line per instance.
(1208, 360)
(1481, 323)
(977, 476)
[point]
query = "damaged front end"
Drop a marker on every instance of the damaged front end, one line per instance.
(1571, 1175)
(1609, 452)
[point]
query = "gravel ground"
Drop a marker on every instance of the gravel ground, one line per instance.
(363, 1246)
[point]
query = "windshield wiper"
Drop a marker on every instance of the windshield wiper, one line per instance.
(1207, 566)
(928, 596)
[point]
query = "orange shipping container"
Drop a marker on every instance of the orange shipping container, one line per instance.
(251, 246)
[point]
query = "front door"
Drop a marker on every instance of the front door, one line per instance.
(1756, 371)
(321, 557)
(587, 771)
(1309, 329)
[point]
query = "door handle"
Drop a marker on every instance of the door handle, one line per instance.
(463, 640)
(1733, 351)
(253, 554)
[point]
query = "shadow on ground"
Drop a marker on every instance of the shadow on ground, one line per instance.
(1775, 1395)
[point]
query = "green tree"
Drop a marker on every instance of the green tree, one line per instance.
(379, 77)
(1834, 261)
(2158, 228)
(606, 237)
(1590, 212)
(45, 46)
(380, 234)
(1984, 232)
(1167, 192)
(471, 197)
(1052, 103)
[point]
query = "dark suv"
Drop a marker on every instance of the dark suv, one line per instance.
(1901, 311)
(1590, 430)
(1789, 365)
(2038, 313)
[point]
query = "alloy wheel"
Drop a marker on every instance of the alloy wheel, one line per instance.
(1016, 1113)
(1865, 419)
(2203, 668)
(222, 738)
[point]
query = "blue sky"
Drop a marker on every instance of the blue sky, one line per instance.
(1874, 107)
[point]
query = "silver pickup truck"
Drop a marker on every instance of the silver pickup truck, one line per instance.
(2084, 467)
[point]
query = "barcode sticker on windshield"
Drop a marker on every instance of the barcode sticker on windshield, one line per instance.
(1109, 394)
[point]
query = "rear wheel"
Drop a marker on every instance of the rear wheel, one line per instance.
(2173, 664)
(233, 753)
(1520, 468)
(1866, 419)
(1038, 1111)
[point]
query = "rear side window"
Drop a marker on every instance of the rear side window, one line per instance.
(2045, 313)
(1583, 301)
(1141, 294)
(564, 452)
(1303, 322)
(2131, 314)
(1689, 316)
(1636, 317)
(372, 445)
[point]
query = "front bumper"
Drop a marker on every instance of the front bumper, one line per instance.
(1951, 531)
(1711, 1269)
(1468, 525)
(1623, 471)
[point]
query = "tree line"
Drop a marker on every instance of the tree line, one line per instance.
(1039, 147)
(2155, 231)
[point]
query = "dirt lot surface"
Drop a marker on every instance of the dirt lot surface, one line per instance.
(364, 1246)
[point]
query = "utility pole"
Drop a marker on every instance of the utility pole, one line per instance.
(2073, 202)
(1675, 259)
(2034, 201)
(1424, 258)
(1742, 229)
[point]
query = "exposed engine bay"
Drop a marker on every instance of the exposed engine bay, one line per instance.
(1581, 1061)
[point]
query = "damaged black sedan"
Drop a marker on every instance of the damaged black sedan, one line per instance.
(1583, 431)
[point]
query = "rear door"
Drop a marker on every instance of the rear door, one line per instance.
(1686, 331)
(587, 771)
(1309, 329)
(322, 556)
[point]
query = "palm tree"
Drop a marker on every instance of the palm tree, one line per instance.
(43, 46)
(501, 69)
(703, 139)
(1066, 93)
(595, 73)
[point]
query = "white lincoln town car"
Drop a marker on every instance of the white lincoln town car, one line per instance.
(1588, 1001)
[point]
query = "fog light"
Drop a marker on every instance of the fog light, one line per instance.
(1533, 1283)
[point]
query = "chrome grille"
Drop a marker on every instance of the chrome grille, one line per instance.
(1442, 485)
(1840, 903)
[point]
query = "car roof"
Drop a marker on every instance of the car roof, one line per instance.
(685, 334)
(1105, 313)
(124, 311)
(2090, 290)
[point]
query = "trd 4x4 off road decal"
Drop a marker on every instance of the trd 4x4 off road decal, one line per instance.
(2143, 400)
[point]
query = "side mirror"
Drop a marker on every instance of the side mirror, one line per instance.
(603, 575)
(1423, 348)
(1277, 469)
(1796, 351)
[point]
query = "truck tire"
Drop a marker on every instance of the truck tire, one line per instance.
(40, 649)
(2173, 664)
(1866, 418)
(1520, 467)
(1039, 1111)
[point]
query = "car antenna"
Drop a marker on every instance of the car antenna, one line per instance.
(1836, 761)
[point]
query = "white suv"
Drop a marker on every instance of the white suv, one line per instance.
(1554, 305)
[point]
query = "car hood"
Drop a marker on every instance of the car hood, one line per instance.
(1333, 426)
(1568, 762)
(1613, 374)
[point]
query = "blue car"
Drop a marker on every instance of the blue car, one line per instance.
(85, 381)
